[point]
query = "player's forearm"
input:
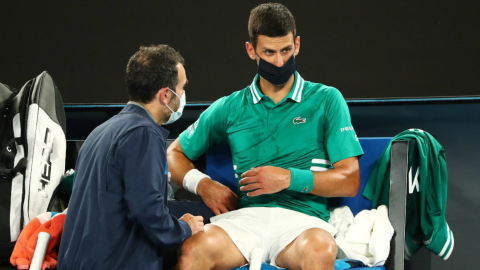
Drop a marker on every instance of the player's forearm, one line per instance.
(342, 181)
(335, 183)
(178, 163)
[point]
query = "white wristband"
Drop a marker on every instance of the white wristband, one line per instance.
(191, 180)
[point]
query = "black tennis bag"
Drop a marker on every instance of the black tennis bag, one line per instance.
(32, 154)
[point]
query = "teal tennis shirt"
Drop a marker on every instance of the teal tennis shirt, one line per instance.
(310, 129)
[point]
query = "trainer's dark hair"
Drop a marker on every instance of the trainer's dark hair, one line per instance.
(150, 69)
(271, 20)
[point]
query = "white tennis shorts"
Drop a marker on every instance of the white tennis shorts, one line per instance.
(269, 228)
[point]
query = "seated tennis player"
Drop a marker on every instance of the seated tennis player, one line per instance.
(293, 146)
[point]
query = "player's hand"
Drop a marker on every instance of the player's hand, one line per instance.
(219, 198)
(195, 222)
(265, 180)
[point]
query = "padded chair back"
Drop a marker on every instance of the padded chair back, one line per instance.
(219, 166)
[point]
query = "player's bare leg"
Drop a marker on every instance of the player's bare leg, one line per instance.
(212, 249)
(313, 249)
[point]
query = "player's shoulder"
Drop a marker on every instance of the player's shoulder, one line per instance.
(320, 92)
(236, 97)
(232, 101)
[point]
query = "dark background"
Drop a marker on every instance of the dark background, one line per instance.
(365, 48)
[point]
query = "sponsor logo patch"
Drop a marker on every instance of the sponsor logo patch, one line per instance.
(192, 128)
(299, 120)
(346, 129)
(413, 182)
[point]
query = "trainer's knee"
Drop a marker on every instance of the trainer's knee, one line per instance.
(319, 246)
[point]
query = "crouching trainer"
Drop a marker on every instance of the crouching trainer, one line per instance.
(292, 146)
(117, 216)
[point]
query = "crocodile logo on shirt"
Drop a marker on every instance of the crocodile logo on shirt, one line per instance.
(299, 120)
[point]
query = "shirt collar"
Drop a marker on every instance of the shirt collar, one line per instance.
(295, 93)
(137, 108)
(141, 106)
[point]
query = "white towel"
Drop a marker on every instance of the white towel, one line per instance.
(361, 229)
(382, 230)
(365, 237)
(345, 252)
(341, 218)
(361, 249)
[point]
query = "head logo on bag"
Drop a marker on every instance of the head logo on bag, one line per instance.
(46, 164)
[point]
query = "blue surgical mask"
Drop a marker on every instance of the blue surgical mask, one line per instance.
(176, 115)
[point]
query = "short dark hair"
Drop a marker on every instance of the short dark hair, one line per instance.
(150, 69)
(271, 20)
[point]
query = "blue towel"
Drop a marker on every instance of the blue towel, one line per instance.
(340, 264)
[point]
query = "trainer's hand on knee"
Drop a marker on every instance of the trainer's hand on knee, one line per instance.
(265, 180)
(195, 222)
(219, 198)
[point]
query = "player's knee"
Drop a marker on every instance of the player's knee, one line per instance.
(318, 254)
(188, 248)
(319, 247)
(198, 250)
(190, 252)
(198, 246)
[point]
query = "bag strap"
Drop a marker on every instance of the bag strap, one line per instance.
(20, 168)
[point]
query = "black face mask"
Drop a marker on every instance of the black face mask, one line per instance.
(277, 75)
